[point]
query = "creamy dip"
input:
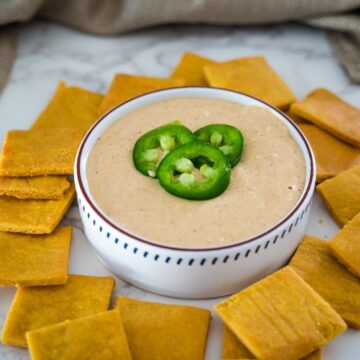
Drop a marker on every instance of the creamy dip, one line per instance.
(264, 186)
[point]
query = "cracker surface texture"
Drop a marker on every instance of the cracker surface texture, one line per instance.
(341, 195)
(156, 330)
(316, 265)
(191, 68)
(345, 245)
(328, 111)
(33, 216)
(332, 155)
(125, 87)
(97, 337)
(234, 349)
(252, 76)
(280, 317)
(35, 307)
(37, 187)
(40, 152)
(70, 107)
(34, 259)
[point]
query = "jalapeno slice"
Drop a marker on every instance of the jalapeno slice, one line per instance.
(226, 138)
(151, 147)
(178, 174)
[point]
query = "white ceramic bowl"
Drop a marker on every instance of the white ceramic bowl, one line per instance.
(191, 273)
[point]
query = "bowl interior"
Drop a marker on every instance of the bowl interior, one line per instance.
(201, 92)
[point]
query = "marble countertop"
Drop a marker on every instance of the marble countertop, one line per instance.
(49, 53)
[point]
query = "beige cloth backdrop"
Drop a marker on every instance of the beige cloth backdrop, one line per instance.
(340, 17)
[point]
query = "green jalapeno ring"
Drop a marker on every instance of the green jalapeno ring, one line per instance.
(227, 138)
(177, 175)
(153, 145)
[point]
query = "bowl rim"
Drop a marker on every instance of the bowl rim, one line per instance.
(108, 221)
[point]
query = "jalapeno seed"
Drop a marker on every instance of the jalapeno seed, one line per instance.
(167, 142)
(227, 138)
(184, 165)
(186, 179)
(154, 145)
(193, 183)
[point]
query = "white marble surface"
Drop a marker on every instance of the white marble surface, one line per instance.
(49, 53)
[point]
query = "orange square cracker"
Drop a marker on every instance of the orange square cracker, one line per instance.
(154, 329)
(30, 260)
(280, 317)
(234, 349)
(332, 155)
(70, 107)
(345, 245)
(341, 195)
(125, 87)
(314, 262)
(190, 68)
(252, 76)
(98, 337)
(33, 216)
(40, 152)
(35, 307)
(35, 187)
(328, 111)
